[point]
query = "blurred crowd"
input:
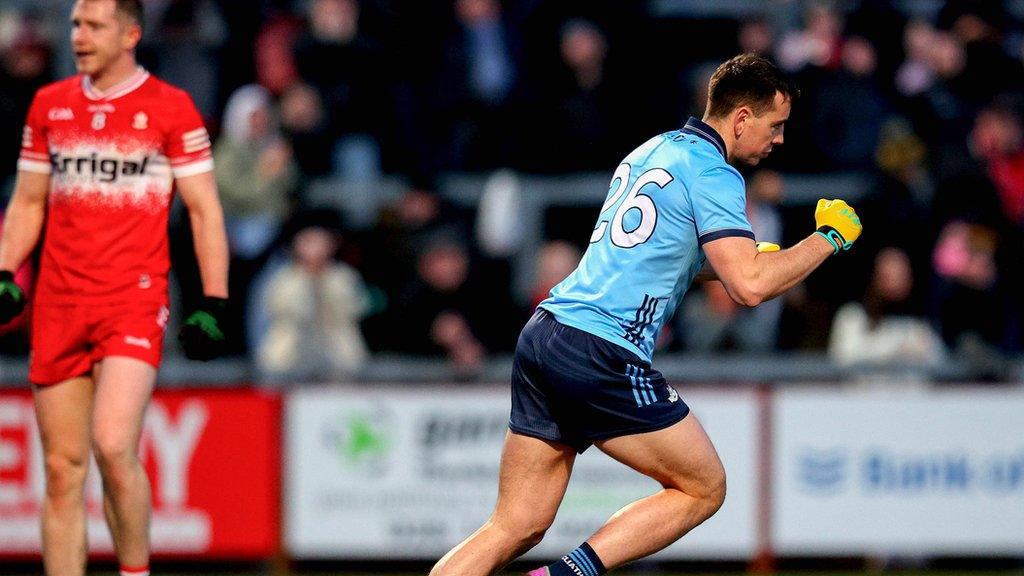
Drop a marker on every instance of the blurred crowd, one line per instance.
(925, 103)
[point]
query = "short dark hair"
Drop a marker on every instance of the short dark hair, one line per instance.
(132, 9)
(747, 80)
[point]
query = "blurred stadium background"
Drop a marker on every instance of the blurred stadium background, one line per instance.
(444, 161)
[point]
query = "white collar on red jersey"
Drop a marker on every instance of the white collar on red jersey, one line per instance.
(120, 89)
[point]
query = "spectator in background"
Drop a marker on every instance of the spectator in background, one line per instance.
(347, 68)
(968, 299)
(304, 122)
(438, 306)
(24, 67)
(879, 330)
(555, 261)
(274, 56)
(449, 312)
(917, 72)
(851, 108)
(390, 250)
(932, 83)
(256, 172)
(811, 54)
(580, 111)
(882, 24)
(989, 70)
(975, 256)
(756, 35)
(818, 44)
(312, 305)
(695, 85)
(997, 141)
(477, 89)
(403, 227)
(256, 175)
(900, 200)
(182, 46)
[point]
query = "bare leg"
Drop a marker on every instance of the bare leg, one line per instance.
(680, 457)
(534, 475)
(62, 413)
(124, 387)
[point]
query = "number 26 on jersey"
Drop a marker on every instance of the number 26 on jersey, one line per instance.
(640, 209)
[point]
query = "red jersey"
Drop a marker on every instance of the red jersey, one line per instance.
(112, 156)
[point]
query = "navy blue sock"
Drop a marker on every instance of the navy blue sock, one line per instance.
(580, 562)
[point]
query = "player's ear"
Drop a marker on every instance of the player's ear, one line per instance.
(740, 118)
(131, 36)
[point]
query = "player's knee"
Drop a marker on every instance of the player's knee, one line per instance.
(65, 476)
(114, 455)
(532, 535)
(528, 532)
(714, 488)
(716, 491)
(708, 487)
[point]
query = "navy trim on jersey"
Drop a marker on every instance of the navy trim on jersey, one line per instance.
(724, 233)
(644, 318)
(698, 128)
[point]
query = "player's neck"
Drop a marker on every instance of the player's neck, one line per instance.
(112, 75)
(721, 125)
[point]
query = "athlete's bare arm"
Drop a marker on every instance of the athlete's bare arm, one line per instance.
(24, 219)
(751, 277)
(199, 193)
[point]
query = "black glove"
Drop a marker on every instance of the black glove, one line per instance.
(12, 299)
(202, 333)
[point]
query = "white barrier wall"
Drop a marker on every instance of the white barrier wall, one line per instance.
(406, 472)
(917, 473)
(401, 472)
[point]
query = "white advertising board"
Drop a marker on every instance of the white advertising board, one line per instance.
(409, 472)
(917, 473)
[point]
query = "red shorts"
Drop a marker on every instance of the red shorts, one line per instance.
(68, 340)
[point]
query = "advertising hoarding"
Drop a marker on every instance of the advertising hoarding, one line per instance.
(213, 459)
(936, 472)
(402, 472)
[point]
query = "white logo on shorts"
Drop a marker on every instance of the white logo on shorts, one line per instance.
(673, 396)
(136, 341)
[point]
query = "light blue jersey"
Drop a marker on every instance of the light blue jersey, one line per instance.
(666, 200)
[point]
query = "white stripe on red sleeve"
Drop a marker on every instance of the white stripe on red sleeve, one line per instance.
(192, 168)
(36, 166)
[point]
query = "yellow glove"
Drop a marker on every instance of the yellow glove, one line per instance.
(768, 247)
(838, 223)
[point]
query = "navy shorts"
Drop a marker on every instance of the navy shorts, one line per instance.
(572, 387)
